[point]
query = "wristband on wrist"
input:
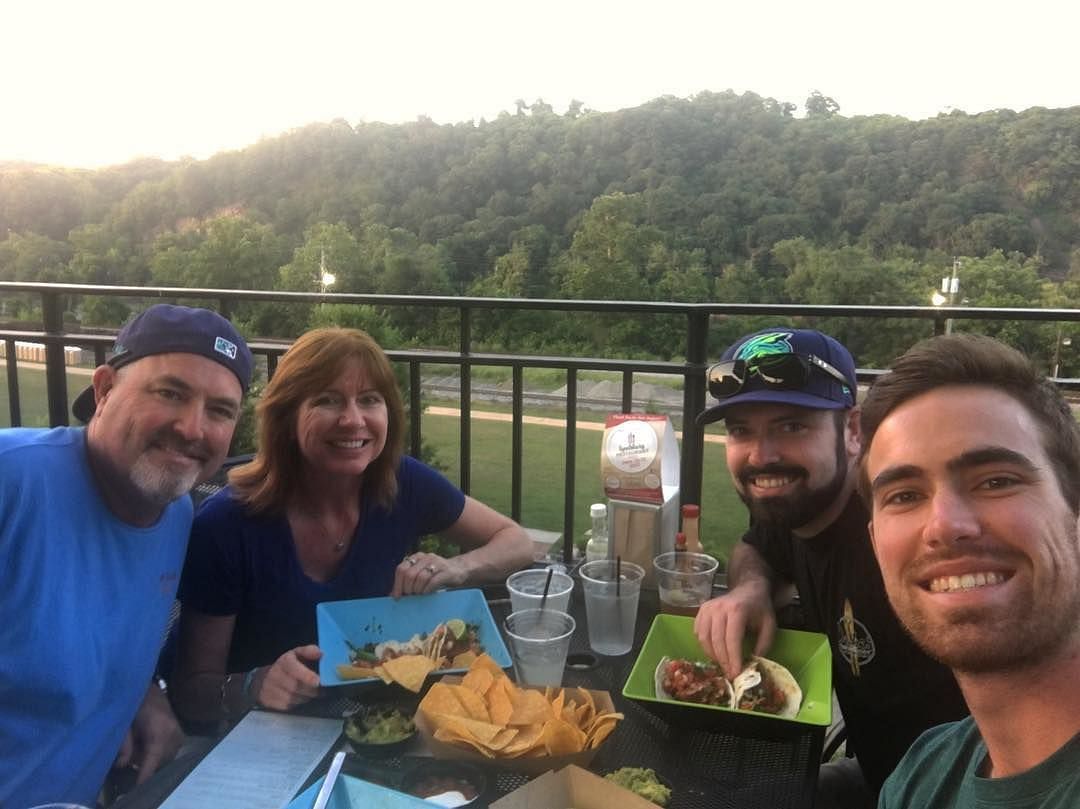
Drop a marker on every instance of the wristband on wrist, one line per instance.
(225, 681)
(249, 685)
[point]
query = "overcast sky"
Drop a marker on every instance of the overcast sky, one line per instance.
(94, 83)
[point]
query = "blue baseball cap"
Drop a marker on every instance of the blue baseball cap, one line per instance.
(821, 391)
(168, 329)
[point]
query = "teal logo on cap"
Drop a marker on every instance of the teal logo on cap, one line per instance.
(223, 346)
(777, 342)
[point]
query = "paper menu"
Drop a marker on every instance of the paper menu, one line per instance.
(260, 764)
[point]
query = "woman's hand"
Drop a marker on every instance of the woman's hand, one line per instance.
(427, 572)
(290, 681)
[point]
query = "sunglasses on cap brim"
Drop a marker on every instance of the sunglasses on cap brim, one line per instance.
(782, 371)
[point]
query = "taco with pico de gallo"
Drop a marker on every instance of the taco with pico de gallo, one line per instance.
(764, 686)
(693, 681)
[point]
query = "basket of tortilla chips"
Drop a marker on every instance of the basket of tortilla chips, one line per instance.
(485, 716)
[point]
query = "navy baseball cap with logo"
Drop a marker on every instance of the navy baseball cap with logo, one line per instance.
(799, 367)
(168, 329)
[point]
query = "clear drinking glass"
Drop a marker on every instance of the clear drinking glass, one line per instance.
(526, 589)
(684, 581)
(539, 641)
(611, 606)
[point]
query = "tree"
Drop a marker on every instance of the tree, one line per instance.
(329, 249)
(231, 252)
(820, 106)
(610, 250)
(34, 257)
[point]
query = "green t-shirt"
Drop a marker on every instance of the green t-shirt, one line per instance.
(939, 772)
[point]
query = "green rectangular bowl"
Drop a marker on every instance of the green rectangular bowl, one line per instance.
(805, 654)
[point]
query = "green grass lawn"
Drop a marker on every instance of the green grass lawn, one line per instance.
(723, 517)
(33, 401)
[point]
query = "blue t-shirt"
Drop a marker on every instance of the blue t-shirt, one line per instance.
(84, 602)
(245, 564)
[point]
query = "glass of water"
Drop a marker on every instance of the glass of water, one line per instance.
(526, 588)
(611, 602)
(539, 641)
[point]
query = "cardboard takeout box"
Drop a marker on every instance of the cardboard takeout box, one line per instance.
(571, 787)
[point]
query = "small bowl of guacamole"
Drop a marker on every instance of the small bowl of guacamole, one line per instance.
(379, 730)
(642, 781)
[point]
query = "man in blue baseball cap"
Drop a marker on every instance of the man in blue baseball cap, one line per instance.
(93, 529)
(788, 400)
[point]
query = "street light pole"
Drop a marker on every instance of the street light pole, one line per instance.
(951, 286)
(1061, 341)
(326, 279)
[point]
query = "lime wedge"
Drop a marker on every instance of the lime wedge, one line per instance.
(456, 627)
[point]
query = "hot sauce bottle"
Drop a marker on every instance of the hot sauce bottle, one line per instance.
(691, 515)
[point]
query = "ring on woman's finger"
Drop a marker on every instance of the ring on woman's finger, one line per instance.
(430, 569)
(410, 560)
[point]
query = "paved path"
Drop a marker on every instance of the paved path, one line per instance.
(486, 415)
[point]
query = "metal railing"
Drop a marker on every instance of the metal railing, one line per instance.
(697, 316)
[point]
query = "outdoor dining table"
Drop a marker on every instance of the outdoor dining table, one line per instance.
(704, 767)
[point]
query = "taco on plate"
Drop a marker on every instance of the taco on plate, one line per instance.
(692, 681)
(766, 686)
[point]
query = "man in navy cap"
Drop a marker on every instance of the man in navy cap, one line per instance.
(93, 528)
(787, 397)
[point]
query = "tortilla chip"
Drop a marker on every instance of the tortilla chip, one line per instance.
(557, 703)
(410, 671)
(463, 660)
(466, 728)
(452, 737)
(478, 680)
(347, 671)
(562, 738)
(502, 740)
(529, 737)
(530, 708)
(500, 706)
(473, 703)
(485, 661)
(602, 727)
(383, 674)
(588, 708)
(442, 699)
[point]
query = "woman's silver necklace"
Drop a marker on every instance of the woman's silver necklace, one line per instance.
(337, 546)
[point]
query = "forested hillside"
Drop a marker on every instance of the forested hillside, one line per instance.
(718, 197)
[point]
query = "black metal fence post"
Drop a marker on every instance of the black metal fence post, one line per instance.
(570, 480)
(52, 315)
(693, 442)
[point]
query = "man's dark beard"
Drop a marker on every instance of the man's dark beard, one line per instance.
(798, 509)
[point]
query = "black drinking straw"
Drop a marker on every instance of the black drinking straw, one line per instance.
(618, 574)
(547, 586)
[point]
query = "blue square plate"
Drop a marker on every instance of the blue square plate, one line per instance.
(352, 793)
(373, 620)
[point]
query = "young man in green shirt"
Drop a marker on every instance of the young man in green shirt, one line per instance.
(971, 467)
